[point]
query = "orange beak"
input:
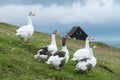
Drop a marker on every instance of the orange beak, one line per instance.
(33, 14)
(93, 38)
(69, 37)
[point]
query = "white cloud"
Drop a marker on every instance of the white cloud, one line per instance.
(95, 12)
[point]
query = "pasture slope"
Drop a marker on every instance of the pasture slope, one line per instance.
(17, 62)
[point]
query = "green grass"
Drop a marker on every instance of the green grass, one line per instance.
(17, 62)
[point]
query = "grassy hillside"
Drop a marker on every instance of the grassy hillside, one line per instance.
(17, 62)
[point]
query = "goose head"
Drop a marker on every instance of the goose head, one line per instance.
(92, 46)
(31, 14)
(90, 38)
(66, 37)
(56, 32)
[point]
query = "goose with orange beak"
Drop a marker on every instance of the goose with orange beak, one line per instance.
(26, 31)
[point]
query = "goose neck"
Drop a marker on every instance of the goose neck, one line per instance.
(53, 41)
(29, 20)
(91, 52)
(64, 41)
(87, 44)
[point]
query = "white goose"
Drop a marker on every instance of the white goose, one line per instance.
(60, 58)
(45, 52)
(25, 32)
(83, 53)
(87, 64)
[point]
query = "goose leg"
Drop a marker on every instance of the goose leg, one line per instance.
(88, 72)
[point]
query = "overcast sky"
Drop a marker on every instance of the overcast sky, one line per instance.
(97, 17)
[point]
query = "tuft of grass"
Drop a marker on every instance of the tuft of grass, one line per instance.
(17, 62)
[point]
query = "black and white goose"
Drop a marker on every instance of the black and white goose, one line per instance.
(88, 63)
(45, 52)
(60, 58)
